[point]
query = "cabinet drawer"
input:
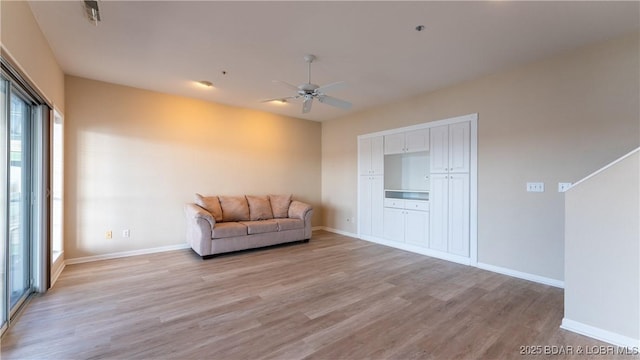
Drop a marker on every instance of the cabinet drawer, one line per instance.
(394, 203)
(416, 205)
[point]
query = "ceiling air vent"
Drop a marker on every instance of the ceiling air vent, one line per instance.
(93, 12)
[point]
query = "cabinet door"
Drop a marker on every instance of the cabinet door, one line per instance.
(439, 144)
(417, 140)
(364, 206)
(439, 212)
(459, 214)
(394, 144)
(364, 156)
(459, 147)
(371, 156)
(377, 155)
(394, 224)
(416, 227)
(377, 205)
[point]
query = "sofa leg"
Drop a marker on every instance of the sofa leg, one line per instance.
(208, 256)
(306, 240)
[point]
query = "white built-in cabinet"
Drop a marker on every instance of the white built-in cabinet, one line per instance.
(415, 187)
(450, 188)
(371, 186)
(407, 221)
(371, 156)
(450, 148)
(404, 142)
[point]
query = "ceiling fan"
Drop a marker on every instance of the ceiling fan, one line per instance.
(310, 91)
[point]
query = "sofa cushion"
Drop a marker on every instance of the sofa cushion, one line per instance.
(259, 208)
(211, 204)
(289, 224)
(259, 227)
(280, 205)
(228, 229)
(234, 208)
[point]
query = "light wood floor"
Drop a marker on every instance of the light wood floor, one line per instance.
(333, 298)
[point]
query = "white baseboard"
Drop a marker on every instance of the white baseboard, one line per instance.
(522, 275)
(56, 274)
(125, 254)
(600, 334)
(336, 231)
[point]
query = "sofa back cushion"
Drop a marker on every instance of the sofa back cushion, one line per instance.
(211, 204)
(259, 208)
(234, 208)
(280, 205)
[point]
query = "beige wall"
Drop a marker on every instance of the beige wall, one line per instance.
(554, 121)
(24, 42)
(602, 269)
(134, 157)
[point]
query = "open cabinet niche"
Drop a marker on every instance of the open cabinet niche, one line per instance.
(406, 176)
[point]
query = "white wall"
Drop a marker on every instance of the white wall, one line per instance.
(602, 254)
(133, 158)
(554, 121)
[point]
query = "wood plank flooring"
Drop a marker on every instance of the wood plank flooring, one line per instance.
(333, 298)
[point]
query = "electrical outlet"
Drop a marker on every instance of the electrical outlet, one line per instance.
(108, 235)
(562, 187)
(126, 233)
(535, 187)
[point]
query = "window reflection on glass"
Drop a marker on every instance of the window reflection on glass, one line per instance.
(3, 199)
(18, 201)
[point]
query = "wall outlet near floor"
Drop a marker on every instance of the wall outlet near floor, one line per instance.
(562, 187)
(535, 187)
(126, 233)
(108, 235)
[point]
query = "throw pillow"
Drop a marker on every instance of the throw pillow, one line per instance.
(211, 204)
(259, 208)
(280, 205)
(234, 208)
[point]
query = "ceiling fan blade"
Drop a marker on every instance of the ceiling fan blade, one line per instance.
(332, 87)
(329, 100)
(306, 106)
(286, 84)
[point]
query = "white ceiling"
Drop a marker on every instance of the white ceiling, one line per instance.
(168, 45)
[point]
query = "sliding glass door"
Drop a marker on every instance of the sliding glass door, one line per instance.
(19, 199)
(24, 193)
(4, 169)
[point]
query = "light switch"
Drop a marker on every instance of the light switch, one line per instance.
(562, 187)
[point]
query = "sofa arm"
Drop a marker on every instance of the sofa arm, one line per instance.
(302, 211)
(298, 210)
(200, 224)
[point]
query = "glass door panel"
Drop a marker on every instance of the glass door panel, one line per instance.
(4, 97)
(19, 277)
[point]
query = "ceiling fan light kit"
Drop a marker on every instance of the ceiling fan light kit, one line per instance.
(205, 83)
(310, 91)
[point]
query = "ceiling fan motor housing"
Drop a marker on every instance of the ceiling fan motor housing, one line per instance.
(307, 88)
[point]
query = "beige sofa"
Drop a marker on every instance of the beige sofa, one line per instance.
(221, 224)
